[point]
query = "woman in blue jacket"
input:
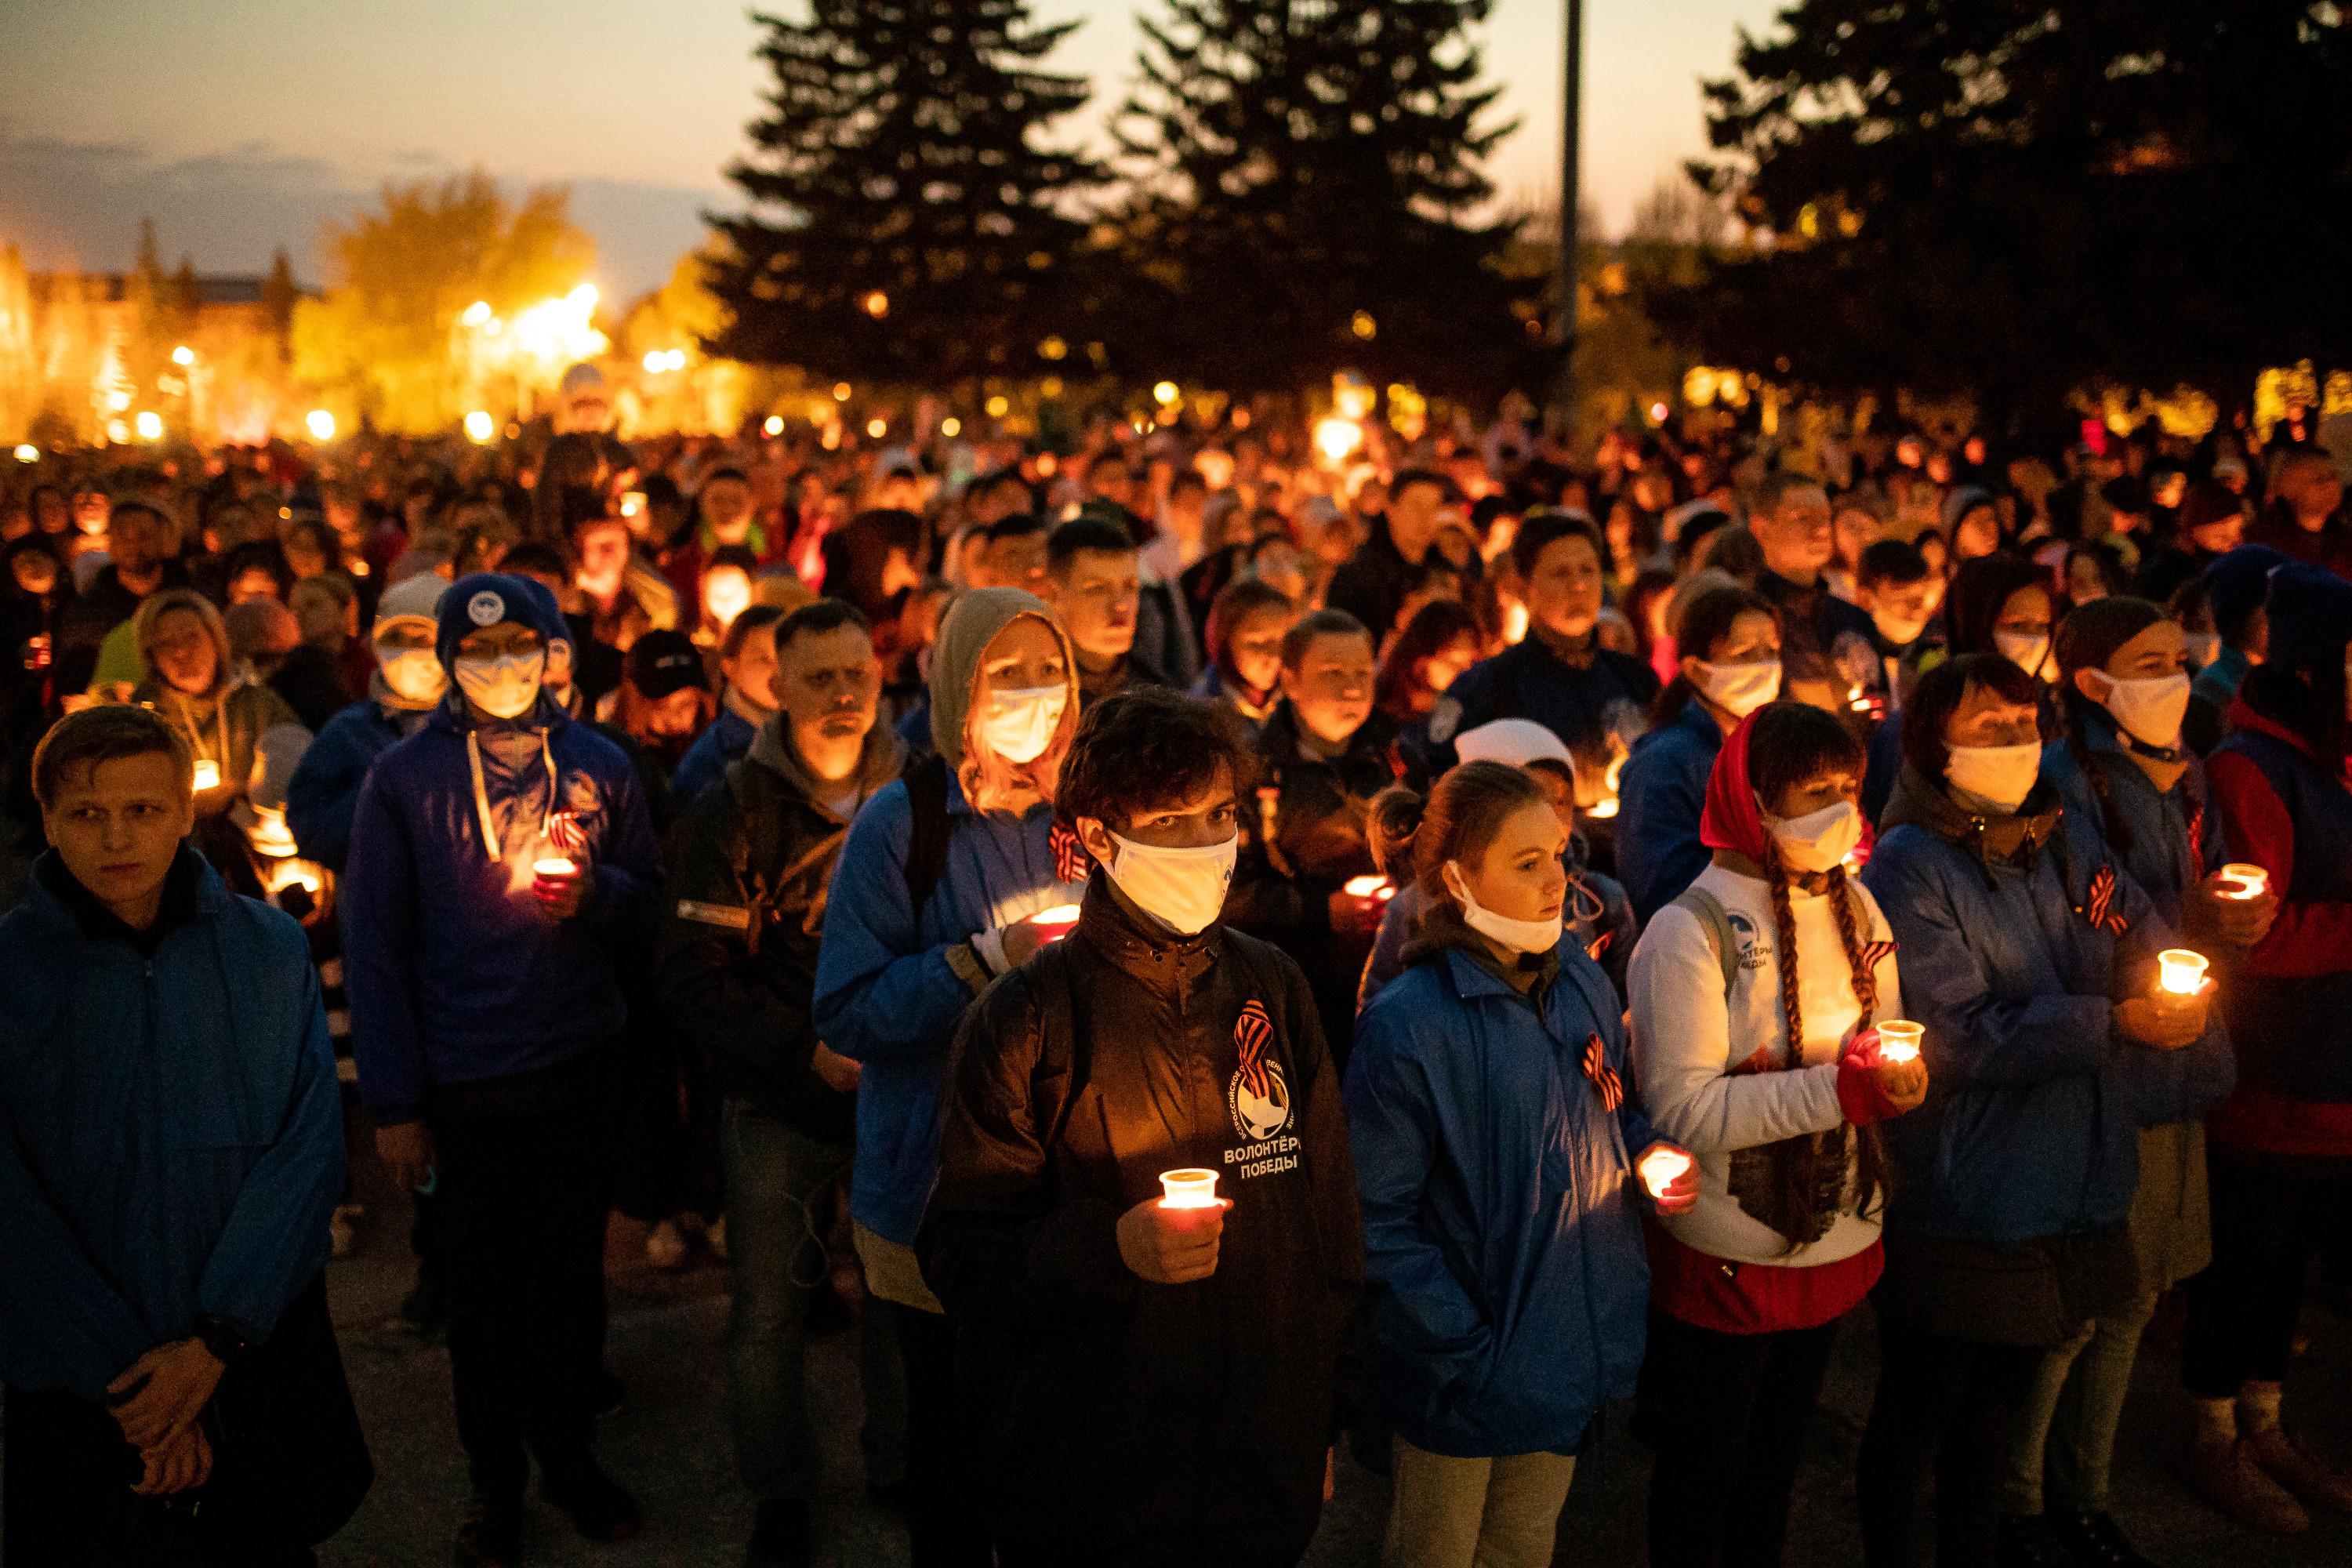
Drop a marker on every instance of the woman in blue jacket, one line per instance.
(931, 900)
(2027, 952)
(1495, 1152)
(1733, 669)
(2121, 766)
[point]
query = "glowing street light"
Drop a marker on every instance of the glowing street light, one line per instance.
(1336, 438)
(477, 313)
(480, 426)
(1363, 326)
(999, 406)
(320, 424)
(951, 427)
(841, 392)
(1164, 392)
(183, 356)
(28, 453)
(875, 304)
(878, 428)
(149, 425)
(774, 425)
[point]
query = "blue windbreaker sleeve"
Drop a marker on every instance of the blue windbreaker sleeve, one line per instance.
(628, 864)
(2167, 1086)
(1418, 1304)
(1972, 1039)
(324, 793)
(1658, 848)
(274, 1241)
(380, 907)
(881, 995)
(62, 1325)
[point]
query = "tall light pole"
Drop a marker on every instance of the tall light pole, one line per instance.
(1563, 315)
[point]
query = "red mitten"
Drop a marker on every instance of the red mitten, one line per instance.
(1859, 1095)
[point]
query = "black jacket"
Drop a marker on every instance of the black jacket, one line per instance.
(1133, 1422)
(1371, 584)
(742, 915)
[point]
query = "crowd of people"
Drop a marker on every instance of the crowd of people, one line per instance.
(1198, 957)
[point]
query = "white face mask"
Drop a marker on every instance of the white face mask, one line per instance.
(1818, 840)
(2149, 710)
(1018, 725)
(2204, 647)
(1183, 890)
(414, 674)
(2028, 650)
(1520, 936)
(1738, 689)
(2001, 774)
(504, 687)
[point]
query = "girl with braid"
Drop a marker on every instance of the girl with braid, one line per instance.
(1754, 996)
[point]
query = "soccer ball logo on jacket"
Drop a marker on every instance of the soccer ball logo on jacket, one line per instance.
(1258, 1097)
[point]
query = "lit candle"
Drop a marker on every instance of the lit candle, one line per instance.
(2251, 881)
(1190, 1189)
(1661, 1166)
(554, 866)
(1053, 924)
(1898, 1040)
(207, 774)
(2179, 971)
(1378, 889)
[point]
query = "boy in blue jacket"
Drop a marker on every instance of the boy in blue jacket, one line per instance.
(497, 855)
(171, 1145)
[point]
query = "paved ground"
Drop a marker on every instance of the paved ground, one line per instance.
(670, 1443)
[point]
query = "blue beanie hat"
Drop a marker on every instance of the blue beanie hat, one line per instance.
(2310, 619)
(486, 598)
(2235, 583)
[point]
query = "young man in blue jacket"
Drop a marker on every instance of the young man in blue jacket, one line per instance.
(497, 857)
(171, 1146)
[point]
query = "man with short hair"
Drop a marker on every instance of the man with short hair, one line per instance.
(1012, 554)
(171, 1147)
(137, 569)
(1093, 583)
(1373, 583)
(747, 671)
(497, 857)
(1160, 1382)
(743, 913)
(1793, 525)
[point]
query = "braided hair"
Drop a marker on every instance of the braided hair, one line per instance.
(1804, 1177)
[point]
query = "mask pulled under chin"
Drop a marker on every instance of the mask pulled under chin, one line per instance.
(1819, 840)
(505, 687)
(2004, 775)
(1183, 890)
(1019, 724)
(1520, 936)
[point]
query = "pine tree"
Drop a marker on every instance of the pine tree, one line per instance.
(1307, 173)
(922, 231)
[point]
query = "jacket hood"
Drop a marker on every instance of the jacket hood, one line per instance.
(416, 598)
(772, 747)
(487, 598)
(1920, 800)
(159, 604)
(971, 623)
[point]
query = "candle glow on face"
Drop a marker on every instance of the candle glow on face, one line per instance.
(1188, 1189)
(2250, 881)
(2179, 971)
(1898, 1040)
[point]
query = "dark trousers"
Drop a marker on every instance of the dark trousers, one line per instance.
(949, 1509)
(525, 1174)
(2267, 1223)
(1934, 1450)
(1727, 1413)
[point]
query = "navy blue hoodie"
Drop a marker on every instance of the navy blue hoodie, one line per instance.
(454, 974)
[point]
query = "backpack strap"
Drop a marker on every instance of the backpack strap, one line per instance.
(1716, 920)
(925, 778)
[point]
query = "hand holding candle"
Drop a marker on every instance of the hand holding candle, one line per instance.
(1055, 923)
(560, 883)
(2172, 1016)
(1669, 1175)
(2238, 904)
(1173, 1239)
(2180, 972)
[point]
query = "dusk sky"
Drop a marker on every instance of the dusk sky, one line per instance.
(241, 125)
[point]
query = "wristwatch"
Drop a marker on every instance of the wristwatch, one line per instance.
(224, 1339)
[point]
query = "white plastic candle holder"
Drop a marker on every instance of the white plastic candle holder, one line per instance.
(1898, 1040)
(2179, 971)
(1188, 1189)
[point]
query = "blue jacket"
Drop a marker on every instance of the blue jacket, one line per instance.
(170, 1132)
(1508, 1283)
(888, 994)
(1660, 795)
(726, 740)
(2159, 857)
(453, 974)
(324, 793)
(2034, 1100)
